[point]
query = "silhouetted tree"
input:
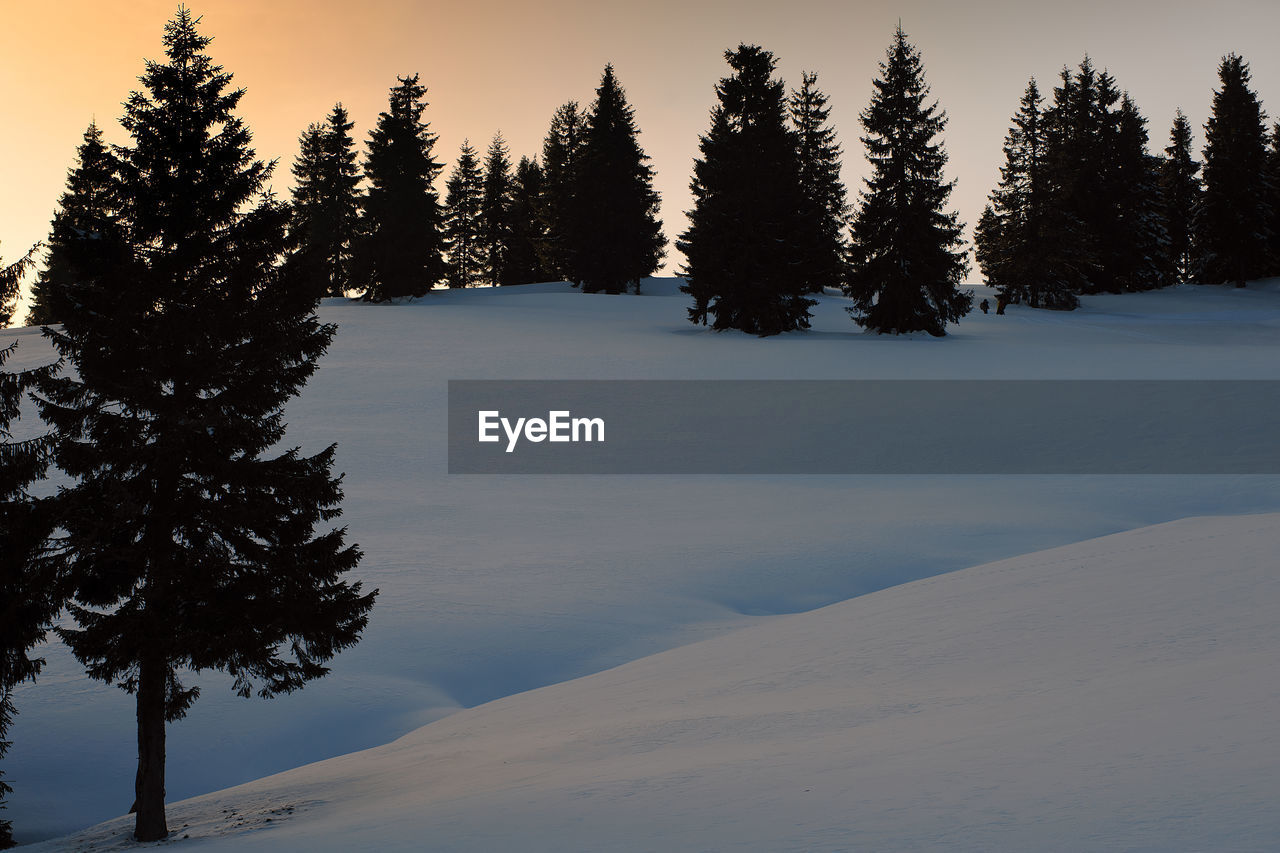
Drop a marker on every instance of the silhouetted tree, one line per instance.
(1273, 182)
(399, 252)
(746, 230)
(618, 235)
(827, 214)
(1018, 240)
(463, 193)
(82, 229)
(1139, 238)
(907, 260)
(561, 153)
(1232, 230)
(183, 545)
(495, 213)
(526, 225)
(326, 207)
(1180, 182)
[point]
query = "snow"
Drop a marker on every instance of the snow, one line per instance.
(1062, 700)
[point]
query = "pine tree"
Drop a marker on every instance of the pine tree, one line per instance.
(1017, 241)
(1140, 237)
(495, 214)
(1180, 182)
(619, 236)
(326, 206)
(30, 594)
(1273, 184)
(1232, 230)
(746, 230)
(399, 252)
(342, 199)
(184, 546)
(907, 260)
(463, 193)
(820, 165)
(561, 153)
(82, 228)
(307, 226)
(526, 225)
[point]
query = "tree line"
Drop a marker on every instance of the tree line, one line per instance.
(1082, 207)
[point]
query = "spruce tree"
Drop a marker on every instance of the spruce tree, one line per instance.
(1232, 222)
(82, 228)
(463, 192)
(1017, 241)
(1180, 183)
(30, 592)
(341, 199)
(495, 214)
(1140, 237)
(326, 207)
(746, 229)
(820, 164)
(185, 545)
(561, 152)
(1273, 185)
(1073, 161)
(399, 252)
(907, 255)
(306, 225)
(526, 225)
(618, 235)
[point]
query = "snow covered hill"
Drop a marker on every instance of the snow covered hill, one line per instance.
(1114, 694)
(496, 585)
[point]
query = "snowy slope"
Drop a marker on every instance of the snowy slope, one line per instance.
(496, 585)
(1118, 693)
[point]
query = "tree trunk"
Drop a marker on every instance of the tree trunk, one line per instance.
(148, 801)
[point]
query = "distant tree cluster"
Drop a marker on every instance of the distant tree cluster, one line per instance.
(770, 221)
(587, 214)
(1082, 207)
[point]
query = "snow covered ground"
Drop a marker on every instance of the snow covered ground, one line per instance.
(1009, 706)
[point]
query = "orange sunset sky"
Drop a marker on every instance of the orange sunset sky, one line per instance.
(506, 66)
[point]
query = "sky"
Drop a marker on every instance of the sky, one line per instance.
(503, 66)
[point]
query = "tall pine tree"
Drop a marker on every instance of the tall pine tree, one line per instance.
(1180, 183)
(820, 165)
(495, 214)
(463, 192)
(1273, 185)
(743, 247)
(618, 235)
(561, 153)
(399, 252)
(1232, 223)
(1139, 259)
(82, 229)
(526, 225)
(907, 255)
(186, 546)
(326, 206)
(1018, 240)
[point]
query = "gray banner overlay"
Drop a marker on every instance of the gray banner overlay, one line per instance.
(865, 427)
